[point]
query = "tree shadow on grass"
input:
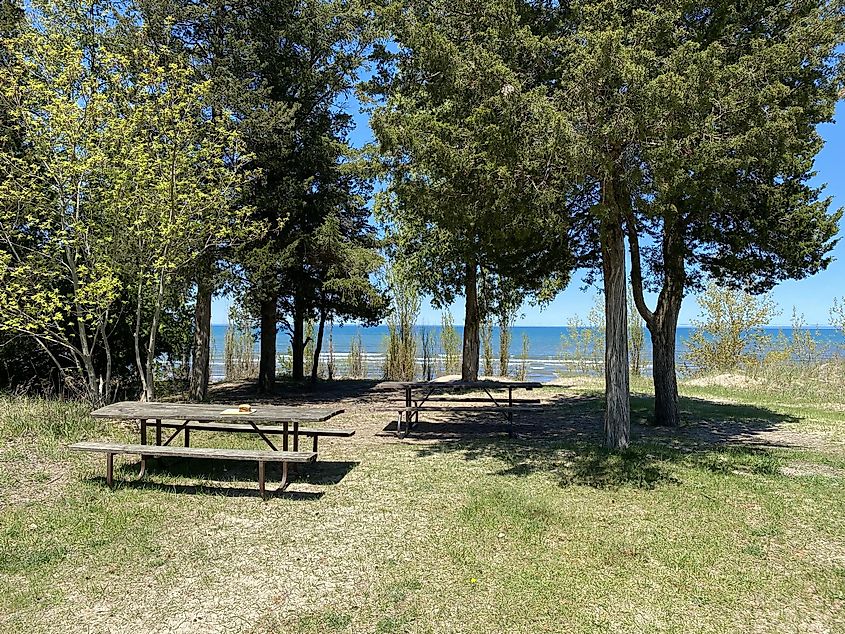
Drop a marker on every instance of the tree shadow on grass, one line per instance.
(225, 473)
(565, 440)
(289, 392)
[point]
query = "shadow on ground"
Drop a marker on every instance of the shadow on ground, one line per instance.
(227, 476)
(565, 440)
(289, 392)
(565, 437)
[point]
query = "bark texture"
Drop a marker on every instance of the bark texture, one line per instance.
(617, 421)
(198, 389)
(267, 357)
(472, 326)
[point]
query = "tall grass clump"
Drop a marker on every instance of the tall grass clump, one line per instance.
(451, 344)
(427, 350)
(487, 346)
(522, 373)
(239, 360)
(309, 347)
(636, 336)
(356, 368)
(401, 352)
(582, 345)
(53, 418)
(506, 316)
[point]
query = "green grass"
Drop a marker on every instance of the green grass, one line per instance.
(542, 533)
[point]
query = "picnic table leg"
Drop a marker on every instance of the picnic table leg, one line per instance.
(158, 431)
(187, 437)
(143, 472)
(110, 469)
(261, 485)
(284, 483)
(296, 436)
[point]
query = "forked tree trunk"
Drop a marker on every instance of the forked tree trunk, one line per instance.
(200, 364)
(267, 357)
(318, 346)
(662, 324)
(617, 421)
(472, 324)
(666, 410)
(297, 342)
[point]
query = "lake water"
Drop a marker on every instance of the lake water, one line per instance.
(550, 349)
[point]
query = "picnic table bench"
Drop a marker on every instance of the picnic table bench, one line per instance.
(153, 451)
(262, 420)
(409, 412)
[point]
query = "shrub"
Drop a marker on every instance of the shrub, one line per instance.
(451, 344)
(729, 334)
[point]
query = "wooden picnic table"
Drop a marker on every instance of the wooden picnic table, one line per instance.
(259, 420)
(414, 405)
(263, 420)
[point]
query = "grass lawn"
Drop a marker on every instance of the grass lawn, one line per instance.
(734, 523)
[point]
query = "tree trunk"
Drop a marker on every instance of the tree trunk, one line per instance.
(318, 346)
(200, 364)
(617, 422)
(666, 411)
(472, 323)
(267, 359)
(297, 342)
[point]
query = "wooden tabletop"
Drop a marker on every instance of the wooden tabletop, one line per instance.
(459, 385)
(209, 412)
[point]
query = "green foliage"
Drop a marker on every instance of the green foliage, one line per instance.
(462, 138)
(582, 345)
(310, 346)
(400, 357)
(837, 315)
(450, 344)
(239, 360)
(729, 334)
(357, 369)
(636, 336)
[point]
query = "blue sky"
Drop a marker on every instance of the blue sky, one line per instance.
(812, 296)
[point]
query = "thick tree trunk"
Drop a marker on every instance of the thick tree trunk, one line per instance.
(201, 362)
(267, 358)
(297, 342)
(666, 410)
(472, 324)
(318, 346)
(617, 422)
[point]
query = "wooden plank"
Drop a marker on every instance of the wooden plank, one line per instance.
(472, 399)
(133, 410)
(436, 408)
(459, 385)
(267, 429)
(196, 452)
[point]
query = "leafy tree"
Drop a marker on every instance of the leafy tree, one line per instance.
(61, 239)
(233, 46)
(727, 195)
(462, 134)
(311, 68)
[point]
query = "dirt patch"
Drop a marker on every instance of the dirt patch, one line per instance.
(28, 476)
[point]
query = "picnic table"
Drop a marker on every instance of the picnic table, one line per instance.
(426, 390)
(262, 420)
